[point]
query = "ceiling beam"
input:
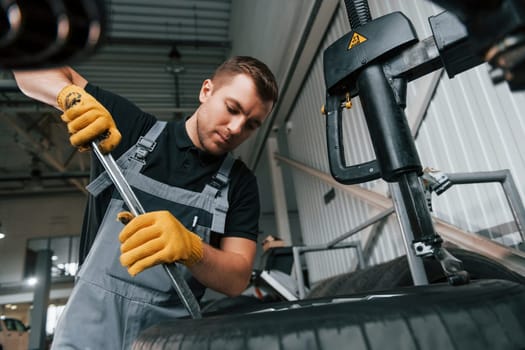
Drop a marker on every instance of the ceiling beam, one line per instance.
(45, 176)
(115, 40)
(7, 193)
(44, 155)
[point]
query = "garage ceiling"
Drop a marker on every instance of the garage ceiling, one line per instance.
(156, 53)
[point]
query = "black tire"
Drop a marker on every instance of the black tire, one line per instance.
(396, 273)
(486, 314)
(237, 304)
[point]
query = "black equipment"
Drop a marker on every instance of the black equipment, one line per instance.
(377, 59)
(41, 33)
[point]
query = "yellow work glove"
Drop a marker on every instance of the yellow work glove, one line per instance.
(154, 238)
(87, 120)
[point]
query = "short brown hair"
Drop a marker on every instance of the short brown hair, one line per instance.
(261, 75)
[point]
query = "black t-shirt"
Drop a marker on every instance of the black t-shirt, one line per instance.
(176, 162)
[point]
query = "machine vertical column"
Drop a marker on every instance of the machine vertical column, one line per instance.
(40, 300)
(279, 193)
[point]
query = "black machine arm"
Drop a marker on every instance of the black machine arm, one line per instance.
(375, 61)
(464, 37)
(496, 34)
(344, 62)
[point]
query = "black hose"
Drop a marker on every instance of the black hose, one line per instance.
(358, 12)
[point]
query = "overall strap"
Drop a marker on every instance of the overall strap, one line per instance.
(133, 160)
(218, 189)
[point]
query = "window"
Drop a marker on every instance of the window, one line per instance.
(14, 325)
(65, 255)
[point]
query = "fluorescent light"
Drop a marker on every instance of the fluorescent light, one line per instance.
(2, 235)
(32, 281)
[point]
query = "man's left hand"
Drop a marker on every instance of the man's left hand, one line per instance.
(157, 237)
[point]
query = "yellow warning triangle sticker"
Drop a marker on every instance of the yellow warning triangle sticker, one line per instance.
(356, 40)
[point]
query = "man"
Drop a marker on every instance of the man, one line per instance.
(202, 206)
(272, 242)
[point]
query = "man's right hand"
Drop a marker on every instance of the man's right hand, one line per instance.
(87, 120)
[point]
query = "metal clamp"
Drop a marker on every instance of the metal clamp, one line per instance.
(144, 147)
(427, 246)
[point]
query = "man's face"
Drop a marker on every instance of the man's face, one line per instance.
(230, 111)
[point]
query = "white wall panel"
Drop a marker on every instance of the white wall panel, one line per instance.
(271, 31)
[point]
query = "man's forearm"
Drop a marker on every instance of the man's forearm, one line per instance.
(44, 85)
(224, 271)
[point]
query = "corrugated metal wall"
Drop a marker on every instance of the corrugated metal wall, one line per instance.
(470, 126)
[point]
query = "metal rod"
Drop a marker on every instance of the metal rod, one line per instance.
(478, 177)
(299, 250)
(385, 213)
(415, 206)
(128, 196)
(360, 255)
(504, 177)
(298, 271)
(122, 186)
(515, 203)
(416, 266)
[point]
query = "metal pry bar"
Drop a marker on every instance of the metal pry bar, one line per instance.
(179, 283)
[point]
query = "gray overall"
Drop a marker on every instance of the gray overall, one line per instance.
(108, 308)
